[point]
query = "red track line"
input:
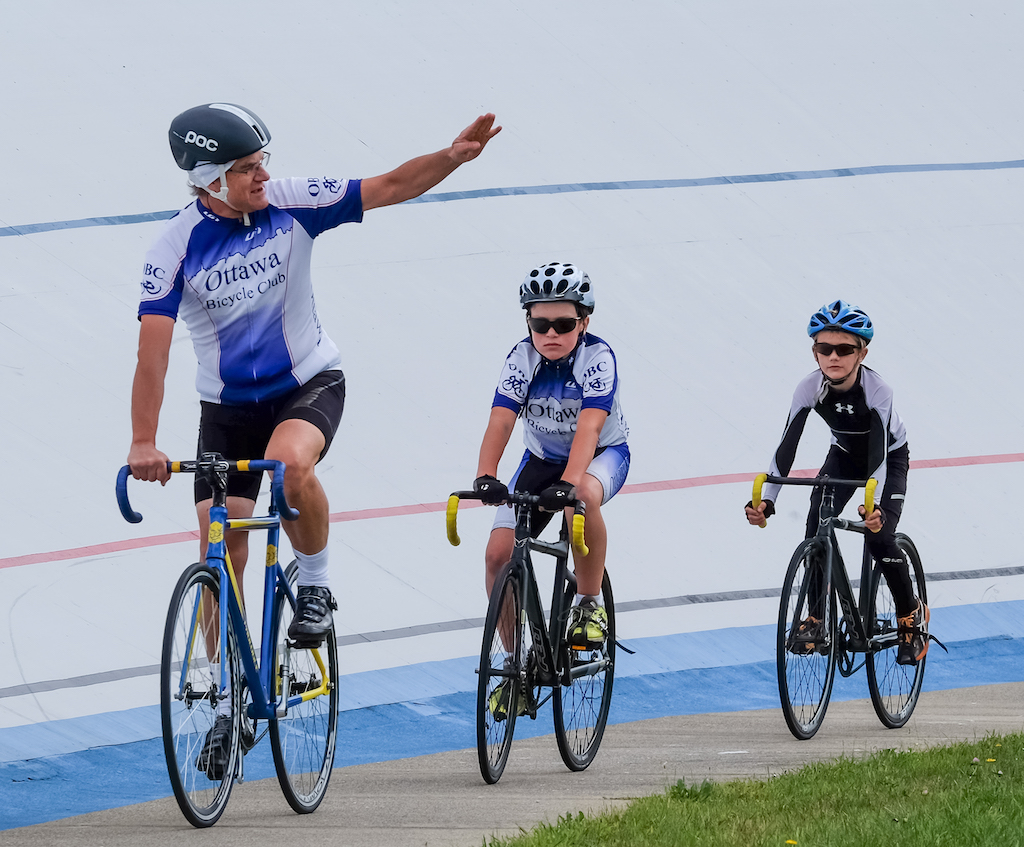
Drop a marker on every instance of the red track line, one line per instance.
(423, 508)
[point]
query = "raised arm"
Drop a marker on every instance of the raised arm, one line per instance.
(146, 461)
(424, 172)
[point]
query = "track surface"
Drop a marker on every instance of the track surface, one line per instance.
(441, 801)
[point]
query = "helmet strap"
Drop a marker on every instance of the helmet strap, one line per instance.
(222, 195)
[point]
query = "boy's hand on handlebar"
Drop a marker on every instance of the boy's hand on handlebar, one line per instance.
(873, 521)
(148, 463)
(492, 491)
(556, 497)
(756, 517)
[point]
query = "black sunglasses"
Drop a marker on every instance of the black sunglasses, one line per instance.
(823, 349)
(561, 325)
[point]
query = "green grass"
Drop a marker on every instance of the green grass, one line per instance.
(968, 794)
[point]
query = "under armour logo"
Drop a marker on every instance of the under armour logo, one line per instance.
(848, 407)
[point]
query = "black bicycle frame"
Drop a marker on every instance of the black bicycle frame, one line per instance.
(855, 610)
(553, 669)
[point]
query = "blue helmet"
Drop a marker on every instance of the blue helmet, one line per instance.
(557, 282)
(842, 317)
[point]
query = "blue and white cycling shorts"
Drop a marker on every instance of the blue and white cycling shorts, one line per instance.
(609, 467)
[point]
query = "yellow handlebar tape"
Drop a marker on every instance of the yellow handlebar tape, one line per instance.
(869, 496)
(450, 517)
(578, 541)
(759, 481)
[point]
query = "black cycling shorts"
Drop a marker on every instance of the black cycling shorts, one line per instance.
(533, 476)
(243, 432)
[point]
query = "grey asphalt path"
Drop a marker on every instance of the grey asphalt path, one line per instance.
(441, 801)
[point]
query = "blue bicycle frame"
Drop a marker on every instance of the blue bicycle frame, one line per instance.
(265, 704)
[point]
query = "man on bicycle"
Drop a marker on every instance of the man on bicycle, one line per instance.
(564, 383)
(868, 440)
(235, 263)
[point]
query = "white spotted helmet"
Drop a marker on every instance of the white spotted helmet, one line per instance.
(555, 282)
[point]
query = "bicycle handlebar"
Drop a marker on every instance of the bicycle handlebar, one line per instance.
(869, 487)
(224, 466)
(516, 498)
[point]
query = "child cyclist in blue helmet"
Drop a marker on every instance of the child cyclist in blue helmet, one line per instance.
(563, 382)
(868, 440)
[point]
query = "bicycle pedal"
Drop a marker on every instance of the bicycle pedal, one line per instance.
(304, 645)
(247, 739)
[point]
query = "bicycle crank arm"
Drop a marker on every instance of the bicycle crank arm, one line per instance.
(589, 668)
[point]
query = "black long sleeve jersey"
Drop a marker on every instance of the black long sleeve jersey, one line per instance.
(863, 423)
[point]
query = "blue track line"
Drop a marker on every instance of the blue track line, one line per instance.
(572, 187)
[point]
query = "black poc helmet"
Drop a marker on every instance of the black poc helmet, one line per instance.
(215, 132)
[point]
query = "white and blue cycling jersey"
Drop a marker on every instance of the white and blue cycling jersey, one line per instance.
(245, 292)
(550, 395)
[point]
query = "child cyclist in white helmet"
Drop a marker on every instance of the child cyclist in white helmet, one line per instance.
(868, 440)
(563, 382)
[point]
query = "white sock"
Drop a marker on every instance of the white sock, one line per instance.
(582, 598)
(313, 569)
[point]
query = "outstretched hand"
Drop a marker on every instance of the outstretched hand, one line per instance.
(473, 139)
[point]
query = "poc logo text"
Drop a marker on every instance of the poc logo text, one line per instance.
(192, 137)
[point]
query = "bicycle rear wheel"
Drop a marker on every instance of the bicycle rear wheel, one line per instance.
(303, 740)
(581, 708)
(806, 647)
(894, 688)
(501, 672)
(189, 685)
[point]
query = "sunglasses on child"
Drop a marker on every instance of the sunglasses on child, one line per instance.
(561, 325)
(823, 349)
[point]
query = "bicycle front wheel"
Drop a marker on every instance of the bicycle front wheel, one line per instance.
(581, 708)
(806, 649)
(894, 688)
(201, 772)
(501, 672)
(303, 740)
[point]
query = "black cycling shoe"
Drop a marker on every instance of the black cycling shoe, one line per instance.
(313, 618)
(213, 758)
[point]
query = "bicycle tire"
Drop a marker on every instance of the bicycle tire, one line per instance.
(304, 740)
(501, 664)
(894, 688)
(806, 678)
(581, 708)
(187, 701)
